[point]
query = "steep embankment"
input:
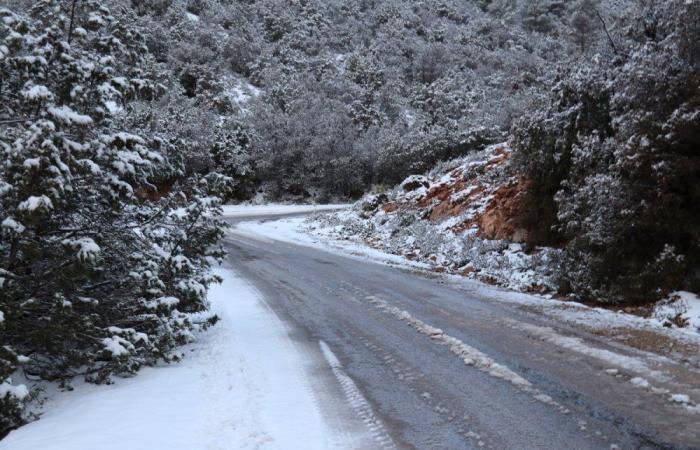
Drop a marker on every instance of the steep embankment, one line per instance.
(462, 217)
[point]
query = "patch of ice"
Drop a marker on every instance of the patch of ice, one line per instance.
(469, 355)
(680, 398)
(579, 346)
(640, 382)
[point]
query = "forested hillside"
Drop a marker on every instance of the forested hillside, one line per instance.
(125, 123)
(599, 182)
(326, 98)
(335, 96)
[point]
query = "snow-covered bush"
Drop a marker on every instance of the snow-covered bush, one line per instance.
(98, 269)
(614, 165)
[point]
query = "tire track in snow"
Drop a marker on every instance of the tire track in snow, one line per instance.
(358, 401)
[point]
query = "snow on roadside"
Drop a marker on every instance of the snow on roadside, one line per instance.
(295, 230)
(679, 307)
(298, 230)
(242, 385)
(273, 209)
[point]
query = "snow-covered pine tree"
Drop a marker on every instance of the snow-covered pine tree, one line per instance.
(97, 273)
(230, 153)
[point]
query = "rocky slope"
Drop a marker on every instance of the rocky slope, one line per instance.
(463, 217)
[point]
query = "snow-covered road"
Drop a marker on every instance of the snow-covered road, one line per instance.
(245, 384)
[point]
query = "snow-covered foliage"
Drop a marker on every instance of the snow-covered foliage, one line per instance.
(681, 309)
(90, 249)
(338, 95)
(614, 164)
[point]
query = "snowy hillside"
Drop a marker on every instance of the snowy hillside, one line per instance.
(466, 217)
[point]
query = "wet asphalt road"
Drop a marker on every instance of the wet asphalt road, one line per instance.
(425, 395)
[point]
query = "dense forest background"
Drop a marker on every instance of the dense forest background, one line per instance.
(325, 98)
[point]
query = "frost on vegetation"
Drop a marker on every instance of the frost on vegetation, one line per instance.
(68, 116)
(117, 346)
(37, 92)
(86, 248)
(34, 203)
(15, 391)
(99, 273)
(12, 225)
(168, 302)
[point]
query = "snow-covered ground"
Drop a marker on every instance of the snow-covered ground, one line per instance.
(273, 209)
(297, 231)
(682, 307)
(243, 385)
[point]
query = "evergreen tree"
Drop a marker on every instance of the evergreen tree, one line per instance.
(97, 273)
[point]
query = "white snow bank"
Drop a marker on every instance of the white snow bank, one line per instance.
(273, 209)
(243, 385)
(683, 305)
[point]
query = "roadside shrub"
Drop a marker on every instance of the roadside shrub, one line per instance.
(614, 167)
